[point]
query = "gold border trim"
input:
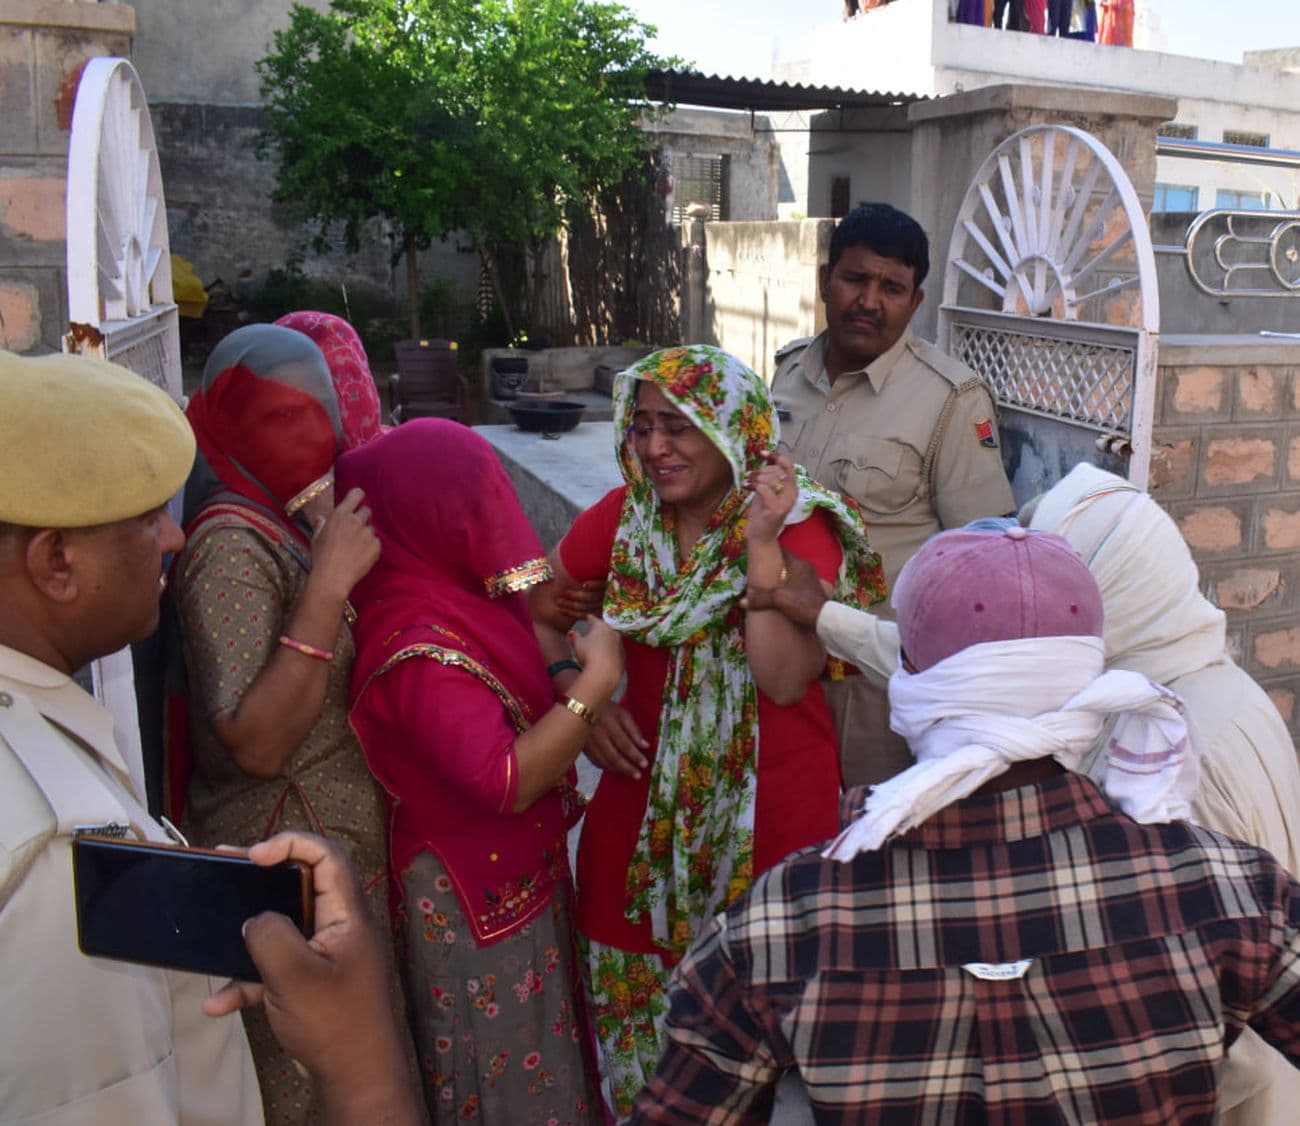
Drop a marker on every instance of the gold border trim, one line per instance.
(520, 578)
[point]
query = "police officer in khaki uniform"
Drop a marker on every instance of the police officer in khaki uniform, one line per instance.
(890, 421)
(89, 454)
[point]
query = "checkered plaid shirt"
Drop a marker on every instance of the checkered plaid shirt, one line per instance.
(1032, 956)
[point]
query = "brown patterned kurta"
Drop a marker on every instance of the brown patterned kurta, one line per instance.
(236, 589)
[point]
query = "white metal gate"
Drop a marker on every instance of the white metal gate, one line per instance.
(119, 283)
(1050, 295)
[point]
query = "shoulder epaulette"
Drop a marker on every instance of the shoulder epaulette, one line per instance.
(793, 346)
(951, 370)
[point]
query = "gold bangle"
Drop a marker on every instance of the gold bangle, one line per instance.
(578, 708)
(783, 577)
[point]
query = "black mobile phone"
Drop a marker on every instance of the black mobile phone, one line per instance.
(168, 905)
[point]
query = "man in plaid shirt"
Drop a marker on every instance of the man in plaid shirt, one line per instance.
(995, 938)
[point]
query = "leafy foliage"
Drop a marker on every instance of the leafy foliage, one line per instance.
(495, 118)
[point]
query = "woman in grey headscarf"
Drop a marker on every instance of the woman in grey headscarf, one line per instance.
(261, 592)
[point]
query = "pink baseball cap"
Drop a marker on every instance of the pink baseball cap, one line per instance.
(964, 588)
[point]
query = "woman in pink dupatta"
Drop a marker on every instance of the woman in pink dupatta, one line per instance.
(354, 385)
(459, 721)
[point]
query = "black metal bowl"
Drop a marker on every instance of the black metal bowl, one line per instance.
(549, 417)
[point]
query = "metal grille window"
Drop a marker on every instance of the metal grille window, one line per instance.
(1174, 197)
(1178, 131)
(1063, 371)
(1244, 137)
(700, 179)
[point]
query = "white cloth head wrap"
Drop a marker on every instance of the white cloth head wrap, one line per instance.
(970, 717)
(1157, 621)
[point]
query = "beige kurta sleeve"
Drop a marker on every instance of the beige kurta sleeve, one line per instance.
(859, 637)
(968, 480)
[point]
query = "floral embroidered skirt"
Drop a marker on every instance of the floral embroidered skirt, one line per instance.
(500, 1030)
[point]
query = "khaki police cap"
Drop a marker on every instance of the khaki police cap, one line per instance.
(84, 441)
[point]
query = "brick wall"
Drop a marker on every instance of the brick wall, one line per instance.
(1227, 468)
(44, 44)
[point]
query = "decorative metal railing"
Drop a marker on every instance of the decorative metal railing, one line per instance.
(1232, 252)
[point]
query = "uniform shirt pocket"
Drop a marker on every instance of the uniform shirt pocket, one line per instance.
(791, 431)
(882, 475)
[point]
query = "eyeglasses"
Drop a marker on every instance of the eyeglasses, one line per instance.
(675, 429)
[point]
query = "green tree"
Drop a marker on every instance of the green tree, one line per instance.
(493, 118)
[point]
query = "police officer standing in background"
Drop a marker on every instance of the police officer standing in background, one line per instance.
(891, 422)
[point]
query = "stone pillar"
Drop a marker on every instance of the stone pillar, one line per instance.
(44, 44)
(952, 136)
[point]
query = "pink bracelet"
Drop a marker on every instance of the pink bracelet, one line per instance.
(305, 649)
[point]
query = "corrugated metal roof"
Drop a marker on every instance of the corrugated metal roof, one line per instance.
(691, 88)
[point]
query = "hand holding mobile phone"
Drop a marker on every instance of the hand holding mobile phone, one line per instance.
(184, 908)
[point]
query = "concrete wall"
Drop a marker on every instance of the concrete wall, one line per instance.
(197, 65)
(872, 147)
(204, 52)
(43, 46)
(1227, 468)
(762, 278)
(791, 133)
(760, 288)
(754, 157)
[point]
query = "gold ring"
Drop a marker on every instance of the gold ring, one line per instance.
(779, 487)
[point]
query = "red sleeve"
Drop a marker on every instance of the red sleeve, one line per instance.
(447, 727)
(588, 544)
(814, 539)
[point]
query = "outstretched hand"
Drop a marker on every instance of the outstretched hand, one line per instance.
(326, 997)
(800, 598)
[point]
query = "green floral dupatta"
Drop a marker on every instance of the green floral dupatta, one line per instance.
(695, 850)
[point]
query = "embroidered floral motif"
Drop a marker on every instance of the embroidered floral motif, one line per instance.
(515, 898)
(498, 1023)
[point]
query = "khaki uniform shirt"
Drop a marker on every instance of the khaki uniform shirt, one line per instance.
(86, 1040)
(912, 438)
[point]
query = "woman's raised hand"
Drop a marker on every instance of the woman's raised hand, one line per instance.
(615, 742)
(774, 490)
(344, 547)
